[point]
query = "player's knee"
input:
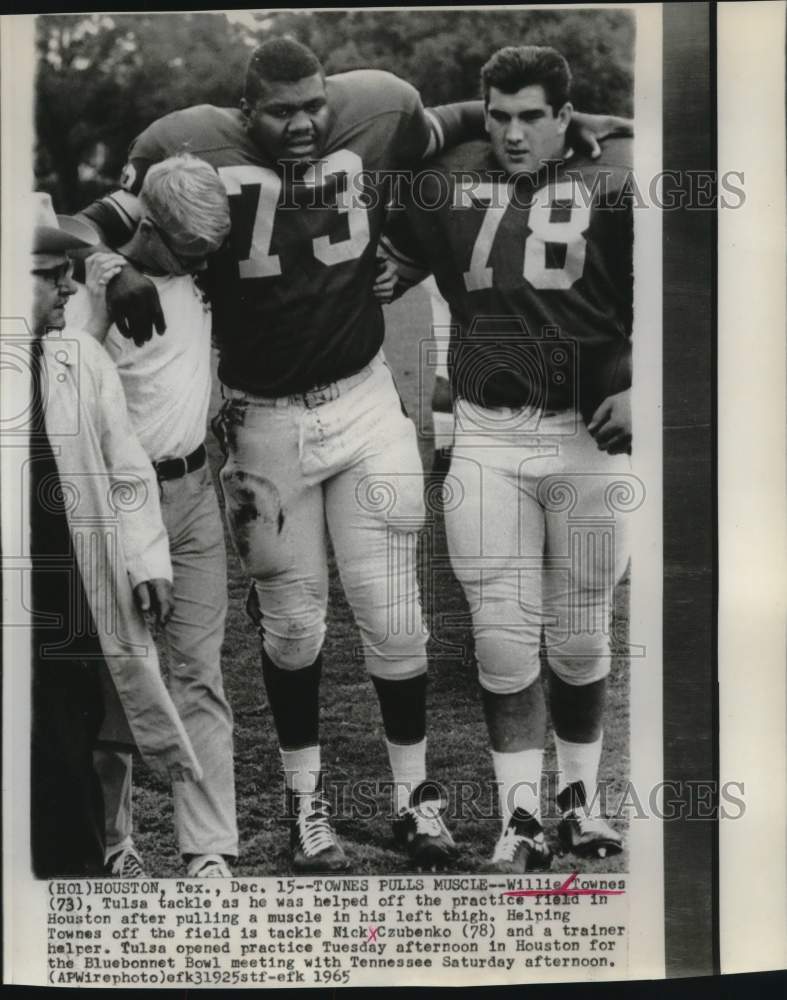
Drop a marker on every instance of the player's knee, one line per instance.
(498, 682)
(583, 659)
(505, 667)
(293, 642)
(295, 651)
(398, 656)
(292, 638)
(397, 670)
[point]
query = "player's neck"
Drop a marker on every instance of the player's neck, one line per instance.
(548, 170)
(553, 161)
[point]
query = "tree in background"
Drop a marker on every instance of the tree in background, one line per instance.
(442, 52)
(104, 78)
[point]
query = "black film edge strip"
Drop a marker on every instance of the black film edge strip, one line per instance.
(691, 737)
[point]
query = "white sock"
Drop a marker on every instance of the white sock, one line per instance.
(579, 762)
(443, 429)
(408, 767)
(301, 769)
(518, 775)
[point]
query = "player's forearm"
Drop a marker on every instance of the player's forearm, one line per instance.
(114, 217)
(455, 123)
(410, 272)
(586, 131)
(465, 121)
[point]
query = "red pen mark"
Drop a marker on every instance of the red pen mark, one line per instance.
(565, 890)
(373, 932)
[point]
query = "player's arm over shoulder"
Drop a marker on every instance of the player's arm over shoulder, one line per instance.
(366, 95)
(374, 91)
(116, 215)
(189, 130)
(610, 176)
(617, 151)
(427, 131)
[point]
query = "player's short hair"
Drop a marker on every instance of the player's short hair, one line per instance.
(517, 66)
(186, 198)
(279, 60)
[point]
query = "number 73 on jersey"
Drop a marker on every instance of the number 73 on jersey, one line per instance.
(265, 185)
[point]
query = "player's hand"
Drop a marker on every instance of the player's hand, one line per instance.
(155, 600)
(100, 269)
(610, 425)
(385, 282)
(588, 130)
(134, 305)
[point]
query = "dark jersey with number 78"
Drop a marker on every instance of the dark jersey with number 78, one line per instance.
(292, 296)
(537, 271)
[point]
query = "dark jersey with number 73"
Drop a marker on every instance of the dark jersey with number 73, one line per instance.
(292, 296)
(537, 271)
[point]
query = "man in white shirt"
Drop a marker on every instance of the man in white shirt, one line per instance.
(167, 382)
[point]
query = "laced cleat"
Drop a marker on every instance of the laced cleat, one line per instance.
(582, 834)
(208, 866)
(314, 845)
(419, 829)
(125, 863)
(521, 848)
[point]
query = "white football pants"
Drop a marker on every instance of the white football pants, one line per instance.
(536, 530)
(339, 462)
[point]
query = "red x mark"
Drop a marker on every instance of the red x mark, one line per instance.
(373, 932)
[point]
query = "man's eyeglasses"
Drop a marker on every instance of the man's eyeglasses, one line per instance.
(56, 275)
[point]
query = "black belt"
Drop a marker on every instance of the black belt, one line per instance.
(176, 468)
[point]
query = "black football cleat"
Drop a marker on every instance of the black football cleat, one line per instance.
(522, 848)
(582, 834)
(420, 830)
(125, 863)
(314, 845)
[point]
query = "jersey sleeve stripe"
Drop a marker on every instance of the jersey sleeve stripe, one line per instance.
(112, 201)
(396, 254)
(437, 138)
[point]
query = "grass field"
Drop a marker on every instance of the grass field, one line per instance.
(352, 736)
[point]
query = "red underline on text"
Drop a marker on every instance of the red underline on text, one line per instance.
(565, 889)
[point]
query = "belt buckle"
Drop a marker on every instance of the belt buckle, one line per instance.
(321, 394)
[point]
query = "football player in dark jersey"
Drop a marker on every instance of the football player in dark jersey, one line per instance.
(317, 443)
(531, 246)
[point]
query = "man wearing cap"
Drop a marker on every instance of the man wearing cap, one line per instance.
(100, 561)
(167, 384)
